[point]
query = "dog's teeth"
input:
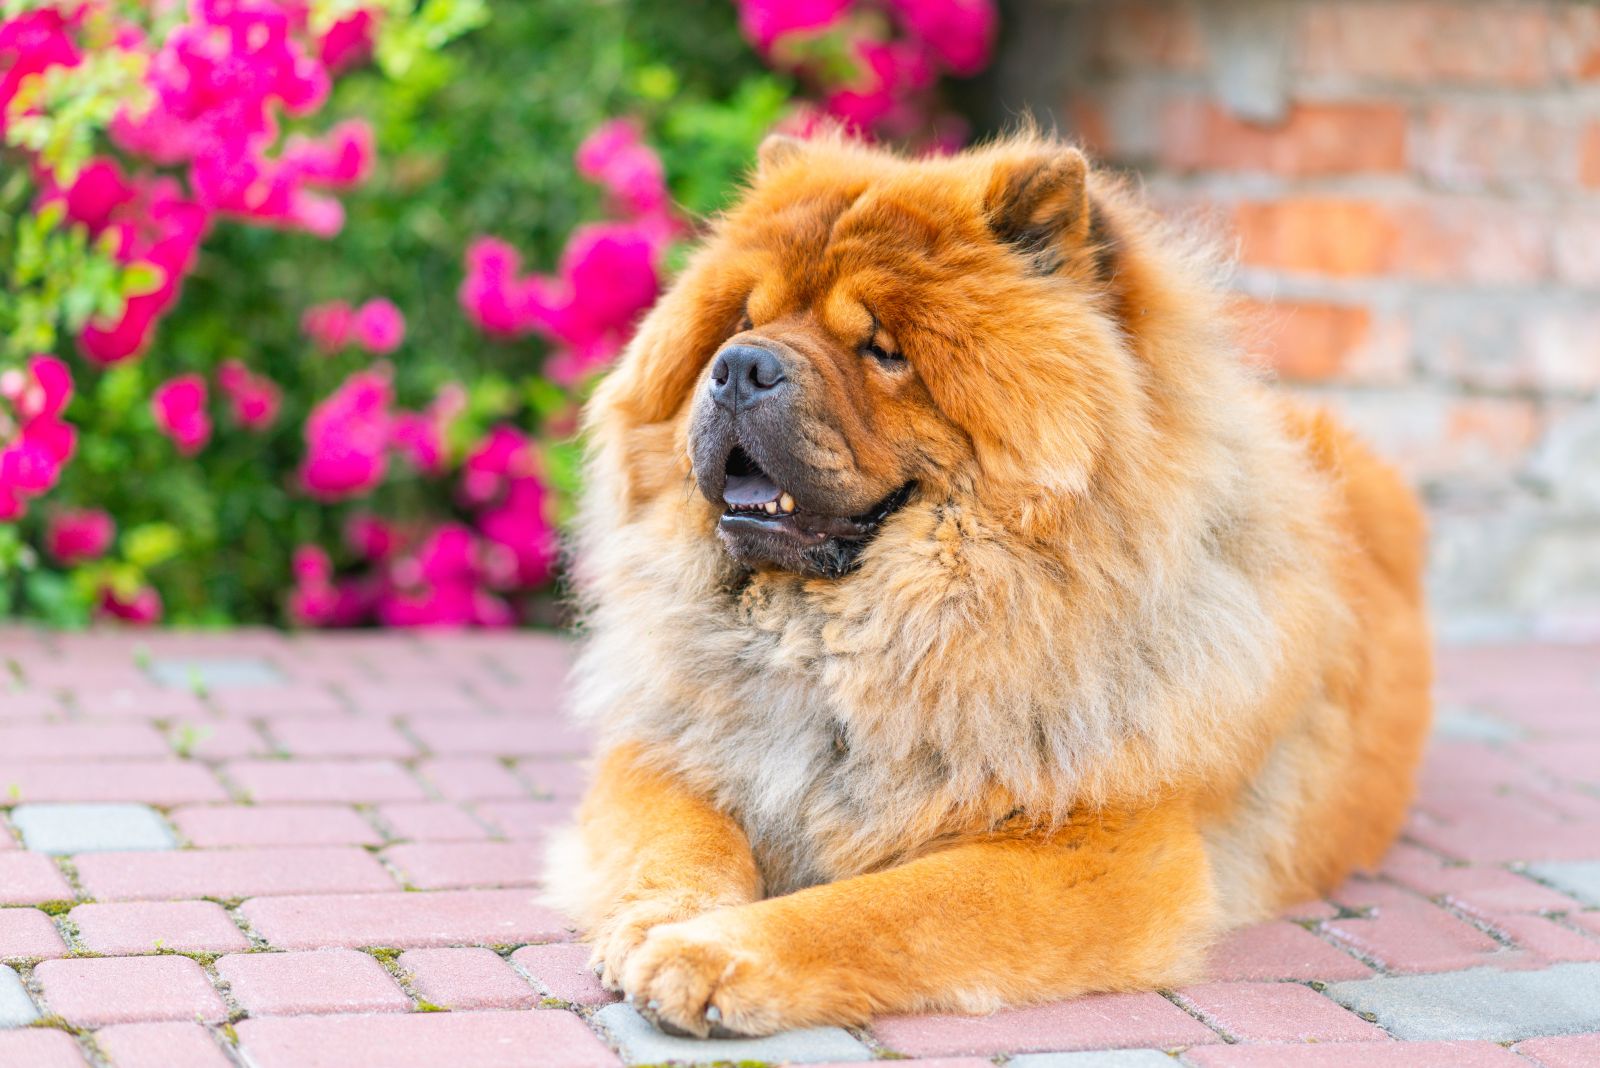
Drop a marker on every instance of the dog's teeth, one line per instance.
(772, 507)
(786, 503)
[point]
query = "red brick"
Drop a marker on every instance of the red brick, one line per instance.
(341, 738)
(1589, 156)
(1276, 1012)
(462, 865)
(97, 991)
(1146, 34)
(161, 1045)
(73, 741)
(216, 739)
(226, 873)
(90, 674)
(28, 933)
(1312, 139)
(425, 1040)
(535, 695)
(405, 920)
(145, 927)
(1100, 1021)
(1548, 941)
(1315, 235)
(1576, 251)
(466, 979)
(1577, 41)
(1494, 145)
(1424, 42)
(271, 702)
(274, 825)
(1482, 892)
(324, 780)
(29, 878)
(526, 819)
(1575, 760)
(21, 705)
(1565, 1051)
(40, 1048)
(502, 736)
(1410, 935)
(471, 779)
(1280, 950)
(1357, 1055)
(319, 981)
(154, 782)
(1307, 340)
(408, 701)
(1469, 239)
(562, 779)
(431, 821)
(561, 970)
(134, 701)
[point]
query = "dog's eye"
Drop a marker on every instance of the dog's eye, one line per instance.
(745, 323)
(882, 350)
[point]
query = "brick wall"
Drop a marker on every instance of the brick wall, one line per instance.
(1413, 191)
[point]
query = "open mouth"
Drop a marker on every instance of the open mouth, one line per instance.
(757, 505)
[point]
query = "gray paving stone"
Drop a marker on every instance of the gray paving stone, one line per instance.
(1103, 1058)
(1482, 1003)
(214, 672)
(640, 1043)
(65, 828)
(16, 1007)
(1580, 878)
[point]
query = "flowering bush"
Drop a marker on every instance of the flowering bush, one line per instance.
(278, 340)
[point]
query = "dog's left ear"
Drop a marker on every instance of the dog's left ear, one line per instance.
(1038, 201)
(775, 151)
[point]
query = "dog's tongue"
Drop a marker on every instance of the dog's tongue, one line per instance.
(750, 491)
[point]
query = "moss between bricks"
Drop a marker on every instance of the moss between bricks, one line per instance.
(59, 1023)
(59, 908)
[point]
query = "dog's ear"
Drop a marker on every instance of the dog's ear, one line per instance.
(775, 151)
(1038, 201)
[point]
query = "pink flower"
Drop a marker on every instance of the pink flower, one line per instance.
(492, 295)
(420, 436)
(40, 441)
(960, 32)
(253, 399)
(179, 406)
(379, 327)
(74, 536)
(765, 22)
(31, 43)
(608, 279)
(503, 453)
(142, 608)
(342, 158)
(349, 41)
(629, 171)
(329, 326)
(520, 525)
(347, 437)
(370, 537)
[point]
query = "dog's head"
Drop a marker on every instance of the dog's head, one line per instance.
(862, 331)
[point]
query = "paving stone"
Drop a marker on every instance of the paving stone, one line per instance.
(1275, 1012)
(117, 698)
(411, 701)
(1565, 1051)
(274, 825)
(216, 739)
(471, 978)
(28, 933)
(20, 705)
(561, 970)
(129, 928)
(161, 1045)
(502, 736)
(40, 1047)
(1357, 1055)
(1104, 1058)
(555, 778)
(1580, 878)
(316, 981)
(96, 991)
(406, 920)
(273, 702)
(65, 829)
(1411, 935)
(1483, 1003)
(74, 741)
(16, 1007)
(641, 1043)
(462, 865)
(152, 782)
(431, 821)
(352, 781)
(550, 1039)
(345, 737)
(227, 873)
(1280, 950)
(30, 879)
(526, 820)
(214, 672)
(942, 1062)
(471, 779)
(1100, 1021)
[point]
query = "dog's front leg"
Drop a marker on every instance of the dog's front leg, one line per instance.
(646, 851)
(1114, 901)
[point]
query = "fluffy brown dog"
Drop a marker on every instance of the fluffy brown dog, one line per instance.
(966, 626)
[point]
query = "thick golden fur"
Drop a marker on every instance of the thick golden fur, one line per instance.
(1144, 656)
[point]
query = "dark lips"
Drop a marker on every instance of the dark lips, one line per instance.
(808, 529)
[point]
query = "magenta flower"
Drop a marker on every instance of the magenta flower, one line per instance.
(179, 406)
(40, 442)
(960, 33)
(520, 524)
(31, 43)
(615, 158)
(420, 436)
(379, 327)
(492, 295)
(329, 326)
(347, 438)
(765, 22)
(253, 399)
(73, 536)
(142, 608)
(503, 453)
(608, 278)
(349, 42)
(370, 537)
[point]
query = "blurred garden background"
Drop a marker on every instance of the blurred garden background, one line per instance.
(300, 297)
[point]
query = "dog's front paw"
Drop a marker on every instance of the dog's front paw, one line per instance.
(616, 937)
(709, 977)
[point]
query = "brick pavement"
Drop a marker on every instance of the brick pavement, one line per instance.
(255, 849)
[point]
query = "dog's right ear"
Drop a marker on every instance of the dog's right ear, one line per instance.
(1038, 201)
(776, 151)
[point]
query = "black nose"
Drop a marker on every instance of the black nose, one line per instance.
(744, 375)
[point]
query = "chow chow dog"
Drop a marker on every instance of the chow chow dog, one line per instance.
(967, 626)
